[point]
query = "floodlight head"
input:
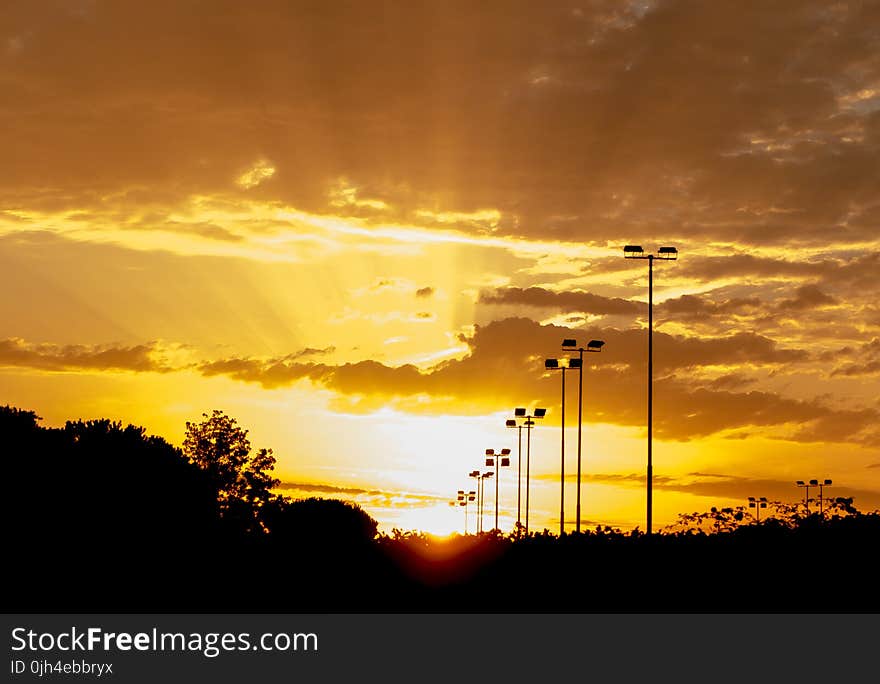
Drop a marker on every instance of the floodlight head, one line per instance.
(763, 499)
(763, 504)
(472, 498)
(510, 423)
(551, 363)
(574, 363)
(751, 498)
(529, 423)
(595, 345)
(461, 491)
(488, 474)
(505, 462)
(489, 452)
(505, 452)
(815, 483)
(472, 493)
(827, 482)
(751, 503)
(567, 342)
(463, 503)
(633, 251)
(490, 462)
(800, 483)
(519, 412)
(667, 253)
(474, 473)
(539, 413)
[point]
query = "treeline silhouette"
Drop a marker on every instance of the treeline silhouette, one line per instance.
(105, 518)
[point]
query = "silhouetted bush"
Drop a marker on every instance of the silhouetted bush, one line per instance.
(319, 522)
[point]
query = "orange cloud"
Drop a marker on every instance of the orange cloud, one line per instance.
(17, 353)
(504, 370)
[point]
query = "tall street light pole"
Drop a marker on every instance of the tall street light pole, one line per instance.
(758, 504)
(663, 254)
(813, 483)
(824, 483)
(483, 478)
(475, 474)
(592, 346)
(528, 424)
(519, 428)
(806, 486)
(498, 461)
(462, 500)
(553, 364)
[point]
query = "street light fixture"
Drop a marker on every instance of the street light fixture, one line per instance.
(758, 504)
(511, 423)
(476, 475)
(528, 424)
(824, 483)
(483, 478)
(663, 254)
(499, 460)
(806, 486)
(462, 501)
(592, 346)
(464, 498)
(553, 364)
(813, 483)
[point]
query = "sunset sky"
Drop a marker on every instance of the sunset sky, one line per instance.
(360, 227)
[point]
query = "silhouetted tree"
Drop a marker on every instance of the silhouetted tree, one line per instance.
(242, 480)
(101, 507)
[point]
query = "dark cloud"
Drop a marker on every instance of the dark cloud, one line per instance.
(865, 360)
(711, 309)
(202, 229)
(739, 121)
(807, 297)
(561, 301)
(370, 498)
(324, 488)
(735, 265)
(702, 307)
(731, 381)
(270, 374)
(312, 351)
(854, 369)
(503, 368)
(425, 292)
(17, 353)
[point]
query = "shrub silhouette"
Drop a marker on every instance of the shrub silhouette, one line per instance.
(321, 522)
